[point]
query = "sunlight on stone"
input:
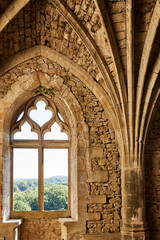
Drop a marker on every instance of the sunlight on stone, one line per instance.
(25, 133)
(55, 133)
(41, 115)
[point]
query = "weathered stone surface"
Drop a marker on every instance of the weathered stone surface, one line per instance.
(143, 14)
(152, 176)
(98, 176)
(116, 43)
(41, 229)
(41, 24)
(104, 177)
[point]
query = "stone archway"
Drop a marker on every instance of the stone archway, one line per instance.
(97, 162)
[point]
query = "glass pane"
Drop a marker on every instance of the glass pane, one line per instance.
(40, 115)
(25, 133)
(25, 179)
(55, 133)
(55, 179)
(60, 117)
(20, 116)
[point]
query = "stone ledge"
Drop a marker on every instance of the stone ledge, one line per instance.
(41, 214)
(66, 221)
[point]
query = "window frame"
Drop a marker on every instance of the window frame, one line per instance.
(39, 144)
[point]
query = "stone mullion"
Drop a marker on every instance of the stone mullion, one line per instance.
(40, 180)
(69, 179)
(11, 179)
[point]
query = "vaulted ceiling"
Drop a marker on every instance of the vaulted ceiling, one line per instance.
(115, 41)
(4, 5)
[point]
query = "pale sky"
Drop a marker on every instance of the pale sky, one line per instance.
(25, 163)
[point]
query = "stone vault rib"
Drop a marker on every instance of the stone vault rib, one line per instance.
(114, 49)
(130, 5)
(116, 59)
(92, 47)
(11, 11)
(98, 58)
(150, 99)
(144, 64)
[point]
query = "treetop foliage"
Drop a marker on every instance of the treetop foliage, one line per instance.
(25, 194)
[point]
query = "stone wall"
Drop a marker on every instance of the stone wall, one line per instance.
(104, 175)
(152, 175)
(106, 196)
(109, 48)
(41, 24)
(40, 229)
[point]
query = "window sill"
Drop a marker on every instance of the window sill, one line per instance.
(41, 214)
(66, 221)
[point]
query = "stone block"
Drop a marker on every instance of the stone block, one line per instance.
(93, 216)
(98, 176)
(98, 199)
(96, 152)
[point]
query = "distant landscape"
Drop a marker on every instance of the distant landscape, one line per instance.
(25, 194)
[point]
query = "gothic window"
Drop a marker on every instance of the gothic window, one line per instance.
(40, 145)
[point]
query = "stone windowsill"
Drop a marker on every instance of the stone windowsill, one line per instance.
(13, 222)
(66, 221)
(41, 214)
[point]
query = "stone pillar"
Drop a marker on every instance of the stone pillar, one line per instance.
(134, 225)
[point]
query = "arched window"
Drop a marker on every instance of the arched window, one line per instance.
(40, 149)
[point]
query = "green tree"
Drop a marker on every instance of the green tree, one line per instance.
(55, 194)
(32, 198)
(56, 197)
(15, 188)
(29, 198)
(22, 185)
(19, 205)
